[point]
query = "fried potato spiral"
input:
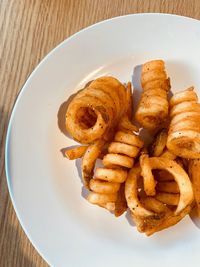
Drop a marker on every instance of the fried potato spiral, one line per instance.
(96, 109)
(106, 183)
(152, 203)
(152, 110)
(184, 131)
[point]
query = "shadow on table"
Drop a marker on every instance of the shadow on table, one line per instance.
(12, 238)
(13, 243)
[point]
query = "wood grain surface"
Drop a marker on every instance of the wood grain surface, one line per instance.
(29, 29)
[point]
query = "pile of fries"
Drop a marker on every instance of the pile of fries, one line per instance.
(158, 184)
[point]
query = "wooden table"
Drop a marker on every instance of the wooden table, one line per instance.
(29, 29)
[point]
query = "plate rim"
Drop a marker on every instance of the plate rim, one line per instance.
(24, 87)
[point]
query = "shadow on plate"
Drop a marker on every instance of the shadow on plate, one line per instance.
(129, 218)
(61, 116)
(84, 191)
(195, 219)
(137, 88)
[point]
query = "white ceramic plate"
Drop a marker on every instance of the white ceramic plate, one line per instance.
(46, 189)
